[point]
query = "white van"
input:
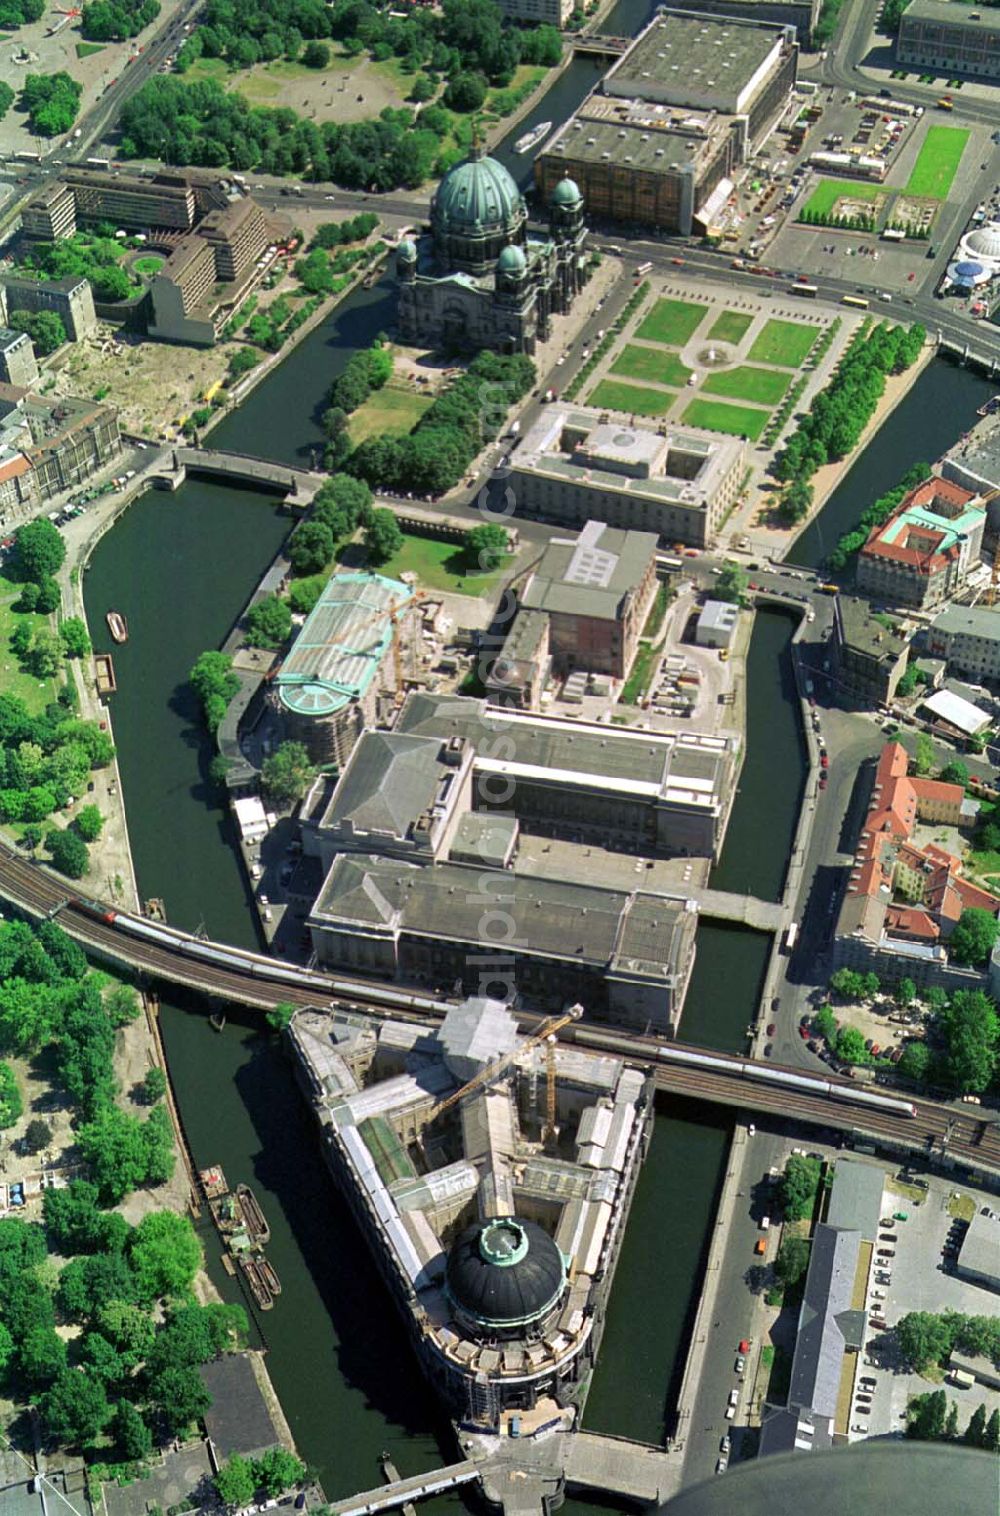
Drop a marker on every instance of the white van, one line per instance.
(765, 1223)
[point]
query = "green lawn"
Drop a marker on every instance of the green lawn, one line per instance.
(387, 410)
(36, 693)
(730, 327)
(439, 566)
(85, 49)
(761, 385)
(149, 264)
(630, 398)
(646, 659)
(672, 321)
(937, 162)
(652, 364)
(785, 343)
(828, 191)
(717, 416)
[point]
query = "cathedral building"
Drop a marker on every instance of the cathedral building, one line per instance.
(478, 280)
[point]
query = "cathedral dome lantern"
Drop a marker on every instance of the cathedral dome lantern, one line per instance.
(477, 210)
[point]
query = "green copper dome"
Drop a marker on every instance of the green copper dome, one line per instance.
(566, 194)
(476, 196)
(511, 260)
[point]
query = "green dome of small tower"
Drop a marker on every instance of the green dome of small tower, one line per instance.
(567, 194)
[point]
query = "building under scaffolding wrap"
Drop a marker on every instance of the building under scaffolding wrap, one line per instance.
(496, 1222)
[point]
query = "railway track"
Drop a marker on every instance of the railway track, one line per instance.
(933, 1129)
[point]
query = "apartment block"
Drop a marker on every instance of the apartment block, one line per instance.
(71, 299)
(50, 214)
(180, 294)
(17, 358)
(239, 234)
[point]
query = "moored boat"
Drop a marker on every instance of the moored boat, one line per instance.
(256, 1283)
(117, 626)
(530, 138)
(253, 1216)
(269, 1275)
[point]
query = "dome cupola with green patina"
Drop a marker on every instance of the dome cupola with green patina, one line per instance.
(476, 212)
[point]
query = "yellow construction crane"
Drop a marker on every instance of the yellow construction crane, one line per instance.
(394, 610)
(547, 1034)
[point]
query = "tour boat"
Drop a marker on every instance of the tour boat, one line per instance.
(530, 138)
(117, 626)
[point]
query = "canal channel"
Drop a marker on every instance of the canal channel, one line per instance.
(181, 567)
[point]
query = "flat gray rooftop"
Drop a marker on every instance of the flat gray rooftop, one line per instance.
(953, 13)
(658, 149)
(590, 574)
(694, 55)
(971, 620)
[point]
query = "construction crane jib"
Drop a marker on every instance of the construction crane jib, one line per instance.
(549, 1029)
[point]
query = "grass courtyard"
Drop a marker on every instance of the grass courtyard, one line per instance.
(632, 399)
(387, 410)
(731, 326)
(149, 264)
(937, 162)
(36, 693)
(440, 566)
(760, 385)
(783, 343)
(717, 416)
(673, 322)
(651, 364)
(828, 191)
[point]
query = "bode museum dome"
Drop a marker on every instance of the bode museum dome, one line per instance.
(478, 280)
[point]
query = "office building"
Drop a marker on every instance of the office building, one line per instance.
(926, 550)
(326, 688)
(979, 1255)
(478, 279)
(594, 591)
(50, 214)
(652, 793)
(967, 637)
(717, 623)
(498, 1246)
(239, 234)
(181, 295)
(833, 1320)
(946, 36)
(870, 657)
(576, 465)
(802, 14)
(541, 12)
(658, 141)
(627, 955)
(17, 358)
(71, 299)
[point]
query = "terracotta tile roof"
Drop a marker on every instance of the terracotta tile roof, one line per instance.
(936, 789)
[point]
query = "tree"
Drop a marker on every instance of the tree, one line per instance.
(286, 772)
(132, 1436)
(975, 1432)
(382, 536)
(851, 1045)
(42, 1356)
(951, 1422)
(971, 1031)
(486, 547)
(799, 1184)
(847, 983)
(215, 684)
(88, 1282)
(792, 1260)
(75, 1222)
(125, 1153)
(268, 622)
(236, 1481)
(311, 548)
(991, 1438)
(974, 936)
(76, 642)
(37, 1136)
(180, 1396)
(48, 597)
(906, 993)
(154, 1086)
(277, 1470)
(924, 1339)
(165, 1254)
(89, 823)
(915, 1062)
(52, 102)
(870, 985)
(11, 1100)
(465, 93)
(825, 1024)
(39, 550)
(955, 773)
(280, 1015)
(45, 328)
(923, 757)
(75, 1411)
(129, 1328)
(68, 853)
(315, 55)
(731, 584)
(926, 1416)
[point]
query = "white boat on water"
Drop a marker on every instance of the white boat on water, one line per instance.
(530, 138)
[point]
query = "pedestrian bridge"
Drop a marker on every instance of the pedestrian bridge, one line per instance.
(762, 915)
(216, 462)
(388, 1497)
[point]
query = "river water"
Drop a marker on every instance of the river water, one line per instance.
(181, 567)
